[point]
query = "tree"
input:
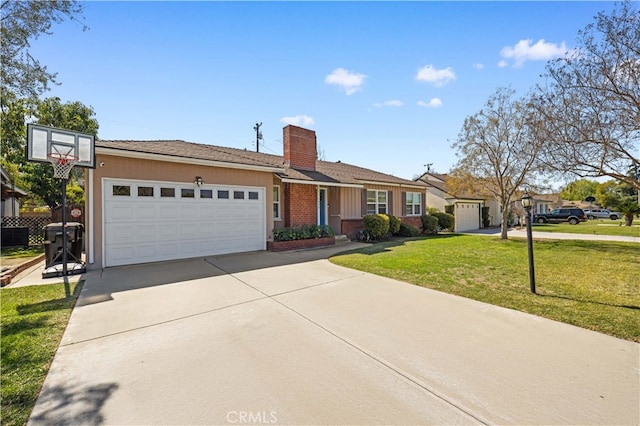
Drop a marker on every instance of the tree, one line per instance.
(23, 21)
(72, 116)
(628, 207)
(579, 190)
(608, 194)
(495, 148)
(591, 100)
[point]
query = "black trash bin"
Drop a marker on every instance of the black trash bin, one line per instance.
(53, 242)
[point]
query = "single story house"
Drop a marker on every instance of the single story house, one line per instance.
(150, 201)
(467, 209)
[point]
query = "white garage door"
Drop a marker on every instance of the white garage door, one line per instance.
(467, 217)
(153, 221)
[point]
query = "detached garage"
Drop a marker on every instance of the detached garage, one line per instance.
(468, 215)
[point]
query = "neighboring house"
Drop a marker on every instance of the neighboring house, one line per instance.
(10, 195)
(467, 209)
(159, 200)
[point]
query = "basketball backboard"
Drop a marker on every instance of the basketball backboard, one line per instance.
(43, 141)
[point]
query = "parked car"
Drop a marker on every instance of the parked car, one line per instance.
(571, 215)
(602, 214)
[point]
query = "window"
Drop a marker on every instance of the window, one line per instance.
(276, 202)
(413, 206)
(121, 190)
(168, 192)
(238, 195)
(223, 195)
(206, 193)
(253, 195)
(145, 191)
(187, 193)
(376, 202)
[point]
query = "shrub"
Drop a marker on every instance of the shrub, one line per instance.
(450, 209)
(445, 220)
(406, 230)
(486, 221)
(377, 225)
(429, 224)
(303, 232)
(432, 210)
(394, 225)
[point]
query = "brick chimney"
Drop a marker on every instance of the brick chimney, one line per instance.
(299, 147)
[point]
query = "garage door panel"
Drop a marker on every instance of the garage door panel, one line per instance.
(119, 211)
(145, 211)
(120, 233)
(167, 211)
(162, 227)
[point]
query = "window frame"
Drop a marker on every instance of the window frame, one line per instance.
(276, 202)
(410, 207)
(376, 201)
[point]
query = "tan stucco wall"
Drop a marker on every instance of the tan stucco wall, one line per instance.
(113, 167)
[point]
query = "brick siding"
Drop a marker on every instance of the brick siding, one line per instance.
(300, 204)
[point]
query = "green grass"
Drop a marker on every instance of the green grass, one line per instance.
(592, 227)
(21, 252)
(33, 320)
(590, 284)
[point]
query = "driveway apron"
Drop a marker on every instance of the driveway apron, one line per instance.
(266, 338)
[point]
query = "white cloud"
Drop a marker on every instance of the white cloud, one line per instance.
(437, 77)
(503, 64)
(298, 120)
(433, 103)
(524, 51)
(350, 82)
(478, 66)
(391, 103)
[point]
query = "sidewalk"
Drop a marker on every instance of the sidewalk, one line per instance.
(522, 233)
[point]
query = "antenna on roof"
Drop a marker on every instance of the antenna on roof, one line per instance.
(258, 135)
(428, 166)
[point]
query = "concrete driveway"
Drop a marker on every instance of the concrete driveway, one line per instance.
(289, 338)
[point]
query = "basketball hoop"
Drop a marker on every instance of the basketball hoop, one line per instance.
(62, 164)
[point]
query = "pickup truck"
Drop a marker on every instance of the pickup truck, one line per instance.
(602, 214)
(571, 215)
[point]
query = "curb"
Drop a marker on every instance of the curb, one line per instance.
(6, 277)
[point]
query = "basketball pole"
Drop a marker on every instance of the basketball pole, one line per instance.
(65, 239)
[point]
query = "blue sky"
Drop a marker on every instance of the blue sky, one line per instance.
(385, 85)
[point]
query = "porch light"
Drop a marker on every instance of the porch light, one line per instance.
(198, 181)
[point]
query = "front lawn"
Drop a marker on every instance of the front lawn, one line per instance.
(592, 227)
(591, 284)
(33, 320)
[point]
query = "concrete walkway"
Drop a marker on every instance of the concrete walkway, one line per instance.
(289, 338)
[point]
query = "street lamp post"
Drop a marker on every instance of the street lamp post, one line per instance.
(526, 203)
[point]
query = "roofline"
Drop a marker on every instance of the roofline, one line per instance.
(321, 183)
(400, 185)
(184, 160)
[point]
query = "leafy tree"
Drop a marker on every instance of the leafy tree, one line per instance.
(608, 194)
(13, 115)
(579, 190)
(591, 100)
(495, 148)
(21, 22)
(72, 116)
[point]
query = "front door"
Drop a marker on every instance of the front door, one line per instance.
(322, 206)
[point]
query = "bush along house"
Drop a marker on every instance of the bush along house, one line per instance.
(150, 201)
